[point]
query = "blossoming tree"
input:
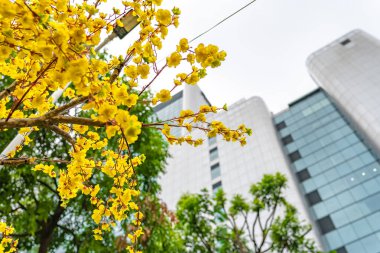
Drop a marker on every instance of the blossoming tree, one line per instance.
(48, 45)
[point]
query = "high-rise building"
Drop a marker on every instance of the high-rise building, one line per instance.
(326, 143)
(348, 69)
(338, 174)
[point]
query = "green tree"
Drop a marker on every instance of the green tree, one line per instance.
(266, 223)
(29, 200)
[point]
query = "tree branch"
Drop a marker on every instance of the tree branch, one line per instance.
(66, 107)
(29, 160)
(78, 121)
(62, 133)
(16, 161)
(47, 122)
(48, 186)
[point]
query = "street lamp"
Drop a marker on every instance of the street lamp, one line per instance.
(129, 22)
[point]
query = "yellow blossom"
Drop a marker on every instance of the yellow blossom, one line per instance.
(174, 59)
(163, 17)
(164, 95)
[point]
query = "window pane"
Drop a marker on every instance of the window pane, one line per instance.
(215, 171)
(213, 154)
(325, 224)
(216, 186)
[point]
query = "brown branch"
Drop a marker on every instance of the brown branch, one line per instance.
(62, 133)
(66, 107)
(19, 123)
(16, 161)
(29, 160)
(78, 121)
(147, 86)
(46, 122)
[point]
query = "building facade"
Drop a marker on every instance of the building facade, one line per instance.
(326, 143)
(348, 69)
(338, 174)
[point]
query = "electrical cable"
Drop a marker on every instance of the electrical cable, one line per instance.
(220, 22)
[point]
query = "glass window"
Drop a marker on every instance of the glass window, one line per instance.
(280, 125)
(294, 156)
(373, 203)
(373, 221)
(215, 171)
(355, 247)
(371, 243)
(313, 197)
(326, 191)
(216, 186)
(303, 175)
(345, 42)
(371, 186)
(367, 158)
(358, 192)
(325, 225)
(345, 198)
(334, 239)
(287, 139)
(332, 205)
(341, 250)
(353, 212)
(213, 154)
(361, 227)
(347, 233)
(339, 218)
(320, 210)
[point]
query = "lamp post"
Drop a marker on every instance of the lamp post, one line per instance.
(129, 23)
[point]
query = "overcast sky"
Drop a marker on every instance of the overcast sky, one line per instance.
(267, 43)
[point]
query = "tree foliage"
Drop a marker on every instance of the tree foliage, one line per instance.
(32, 204)
(266, 223)
(49, 46)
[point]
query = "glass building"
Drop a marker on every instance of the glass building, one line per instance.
(338, 174)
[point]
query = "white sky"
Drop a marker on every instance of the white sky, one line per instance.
(267, 43)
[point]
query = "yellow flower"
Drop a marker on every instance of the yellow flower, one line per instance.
(131, 71)
(70, 93)
(80, 128)
(78, 35)
(143, 70)
(111, 131)
(107, 112)
(120, 95)
(164, 95)
(5, 52)
(131, 100)
(163, 17)
(183, 45)
(174, 59)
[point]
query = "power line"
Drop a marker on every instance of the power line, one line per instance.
(220, 22)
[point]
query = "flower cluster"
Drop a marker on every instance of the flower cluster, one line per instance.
(7, 244)
(197, 120)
